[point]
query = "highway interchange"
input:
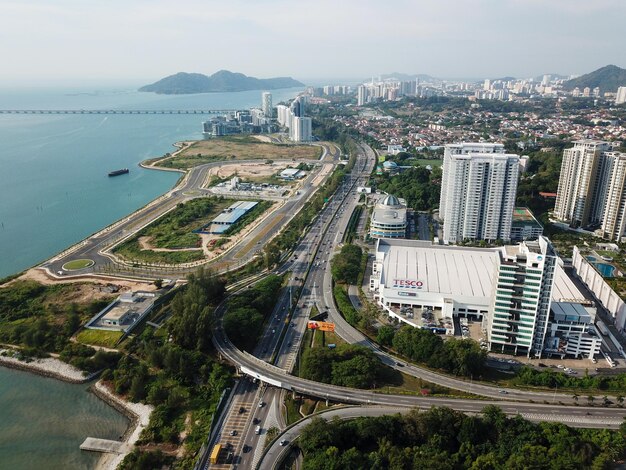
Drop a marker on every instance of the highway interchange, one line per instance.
(275, 356)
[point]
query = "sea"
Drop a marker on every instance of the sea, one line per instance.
(54, 188)
(54, 191)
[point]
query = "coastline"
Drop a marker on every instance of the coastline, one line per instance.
(47, 367)
(137, 413)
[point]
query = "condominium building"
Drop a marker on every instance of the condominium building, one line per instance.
(579, 199)
(478, 190)
(301, 129)
(592, 188)
(361, 93)
(620, 97)
(266, 104)
(521, 304)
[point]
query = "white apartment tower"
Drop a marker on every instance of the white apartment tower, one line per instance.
(592, 188)
(478, 190)
(620, 97)
(266, 102)
(301, 129)
(361, 95)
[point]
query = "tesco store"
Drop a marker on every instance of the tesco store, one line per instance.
(410, 276)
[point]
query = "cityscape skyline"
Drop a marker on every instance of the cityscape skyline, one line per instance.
(147, 40)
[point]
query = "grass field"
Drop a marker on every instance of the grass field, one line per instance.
(78, 264)
(424, 162)
(99, 337)
(238, 148)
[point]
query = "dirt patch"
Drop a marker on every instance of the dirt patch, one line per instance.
(39, 275)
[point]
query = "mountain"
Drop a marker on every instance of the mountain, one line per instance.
(608, 78)
(223, 81)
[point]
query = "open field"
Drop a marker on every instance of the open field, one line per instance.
(99, 337)
(261, 172)
(237, 148)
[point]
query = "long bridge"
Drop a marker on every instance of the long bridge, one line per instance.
(117, 111)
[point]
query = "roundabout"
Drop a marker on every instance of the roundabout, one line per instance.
(78, 264)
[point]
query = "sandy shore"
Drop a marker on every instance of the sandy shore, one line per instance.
(48, 367)
(139, 415)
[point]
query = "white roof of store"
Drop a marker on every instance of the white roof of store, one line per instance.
(564, 288)
(441, 269)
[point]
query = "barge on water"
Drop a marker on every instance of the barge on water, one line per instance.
(123, 171)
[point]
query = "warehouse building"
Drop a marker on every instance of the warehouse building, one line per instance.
(229, 216)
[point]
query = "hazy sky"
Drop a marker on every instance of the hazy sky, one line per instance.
(101, 40)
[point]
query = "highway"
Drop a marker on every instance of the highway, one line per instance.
(314, 251)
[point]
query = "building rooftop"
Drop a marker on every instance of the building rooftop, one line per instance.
(570, 312)
(522, 216)
(441, 269)
(563, 288)
(234, 212)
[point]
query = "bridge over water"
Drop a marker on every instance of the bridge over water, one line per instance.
(117, 111)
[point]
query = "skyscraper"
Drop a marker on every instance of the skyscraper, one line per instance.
(582, 185)
(301, 129)
(478, 190)
(620, 98)
(266, 104)
(361, 95)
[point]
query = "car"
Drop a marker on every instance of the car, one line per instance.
(242, 410)
(284, 442)
(504, 392)
(233, 433)
(256, 421)
(261, 404)
(399, 364)
(246, 448)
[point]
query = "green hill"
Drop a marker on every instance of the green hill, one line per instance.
(222, 81)
(608, 78)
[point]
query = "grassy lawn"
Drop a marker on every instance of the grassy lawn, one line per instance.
(238, 148)
(99, 337)
(424, 162)
(78, 264)
(174, 231)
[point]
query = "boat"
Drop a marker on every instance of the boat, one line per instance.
(123, 171)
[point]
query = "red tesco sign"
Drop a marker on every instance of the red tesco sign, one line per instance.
(407, 283)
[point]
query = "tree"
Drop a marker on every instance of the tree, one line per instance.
(385, 335)
(346, 265)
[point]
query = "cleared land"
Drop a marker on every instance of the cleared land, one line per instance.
(237, 148)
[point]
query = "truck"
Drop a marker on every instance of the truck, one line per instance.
(602, 327)
(215, 453)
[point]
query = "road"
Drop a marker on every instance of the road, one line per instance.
(192, 186)
(277, 452)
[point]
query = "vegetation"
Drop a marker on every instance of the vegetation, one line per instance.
(347, 365)
(542, 174)
(172, 369)
(607, 78)
(551, 379)
(247, 311)
(418, 186)
(238, 148)
(41, 319)
(105, 338)
(344, 305)
(459, 357)
(445, 439)
(78, 264)
(346, 265)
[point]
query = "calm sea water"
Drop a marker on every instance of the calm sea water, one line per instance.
(54, 189)
(43, 422)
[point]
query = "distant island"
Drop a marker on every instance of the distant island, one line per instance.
(607, 78)
(223, 81)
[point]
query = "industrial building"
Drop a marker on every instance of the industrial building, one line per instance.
(291, 174)
(389, 218)
(124, 312)
(508, 289)
(229, 216)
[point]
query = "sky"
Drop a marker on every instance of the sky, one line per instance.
(58, 41)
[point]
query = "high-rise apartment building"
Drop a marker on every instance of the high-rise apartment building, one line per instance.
(620, 97)
(519, 317)
(591, 188)
(478, 190)
(301, 129)
(361, 95)
(266, 104)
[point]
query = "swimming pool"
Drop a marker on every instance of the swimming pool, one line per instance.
(606, 270)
